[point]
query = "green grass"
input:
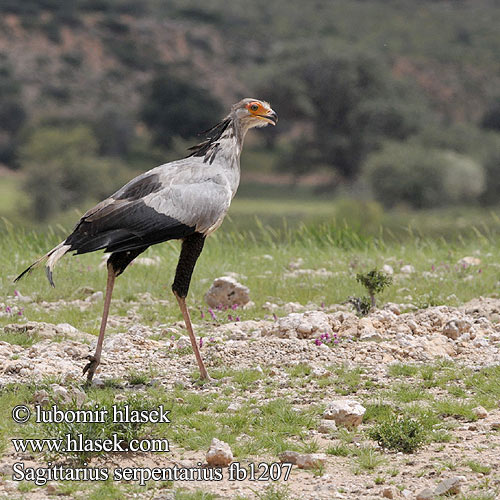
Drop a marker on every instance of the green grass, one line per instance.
(368, 459)
(319, 246)
(339, 450)
(478, 467)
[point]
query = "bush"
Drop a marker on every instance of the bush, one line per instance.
(481, 145)
(423, 178)
(464, 178)
(403, 174)
(399, 433)
(62, 170)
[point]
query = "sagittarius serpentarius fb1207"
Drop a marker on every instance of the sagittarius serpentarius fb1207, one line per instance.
(185, 199)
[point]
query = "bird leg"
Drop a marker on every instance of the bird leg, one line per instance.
(191, 249)
(94, 360)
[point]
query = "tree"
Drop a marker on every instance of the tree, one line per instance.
(491, 118)
(62, 169)
(346, 101)
(174, 106)
(12, 114)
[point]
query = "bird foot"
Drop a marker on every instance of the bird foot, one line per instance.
(90, 368)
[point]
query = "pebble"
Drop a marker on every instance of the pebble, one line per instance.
(227, 292)
(348, 412)
(426, 494)
(219, 454)
(303, 460)
(449, 486)
(389, 492)
(480, 412)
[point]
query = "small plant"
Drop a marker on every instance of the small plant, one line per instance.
(399, 433)
(368, 459)
(374, 282)
(338, 450)
(478, 468)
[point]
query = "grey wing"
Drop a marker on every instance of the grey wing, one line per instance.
(169, 202)
(201, 203)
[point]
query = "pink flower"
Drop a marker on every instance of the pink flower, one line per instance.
(201, 342)
(318, 342)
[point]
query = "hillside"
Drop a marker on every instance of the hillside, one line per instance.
(72, 57)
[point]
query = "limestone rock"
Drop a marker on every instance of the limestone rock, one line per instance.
(469, 261)
(387, 269)
(327, 426)
(408, 269)
(426, 494)
(95, 297)
(219, 454)
(348, 412)
(456, 327)
(449, 486)
(480, 412)
(305, 325)
(226, 292)
(303, 460)
(371, 336)
(390, 492)
(41, 397)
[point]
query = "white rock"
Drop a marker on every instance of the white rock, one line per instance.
(480, 412)
(300, 325)
(345, 412)
(219, 454)
(456, 327)
(371, 336)
(327, 426)
(408, 269)
(469, 261)
(226, 291)
(95, 297)
(233, 407)
(303, 460)
(148, 261)
(66, 328)
(387, 269)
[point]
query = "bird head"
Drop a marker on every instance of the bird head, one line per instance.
(254, 113)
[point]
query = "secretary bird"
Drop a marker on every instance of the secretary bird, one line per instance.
(186, 199)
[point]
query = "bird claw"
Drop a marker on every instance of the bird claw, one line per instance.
(90, 367)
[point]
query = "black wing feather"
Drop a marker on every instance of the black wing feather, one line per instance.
(123, 225)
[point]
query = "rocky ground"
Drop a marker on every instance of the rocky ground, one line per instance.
(322, 341)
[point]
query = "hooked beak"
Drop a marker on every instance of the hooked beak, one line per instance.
(270, 116)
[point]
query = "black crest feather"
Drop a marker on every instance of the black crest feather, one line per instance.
(214, 134)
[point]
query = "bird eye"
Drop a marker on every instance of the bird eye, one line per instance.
(254, 107)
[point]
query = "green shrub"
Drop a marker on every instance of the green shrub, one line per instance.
(62, 169)
(399, 433)
(411, 174)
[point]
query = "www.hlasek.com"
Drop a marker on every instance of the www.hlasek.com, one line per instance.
(78, 443)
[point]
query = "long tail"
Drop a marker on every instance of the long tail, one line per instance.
(50, 259)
